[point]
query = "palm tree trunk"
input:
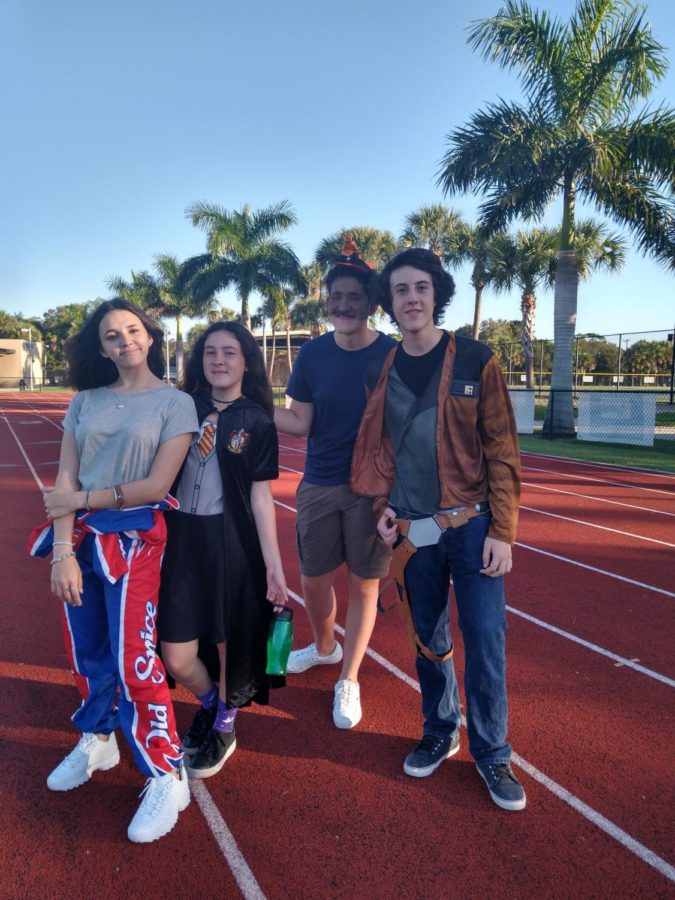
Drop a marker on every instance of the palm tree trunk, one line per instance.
(288, 346)
(245, 317)
(264, 337)
(274, 349)
(528, 304)
(478, 285)
(179, 350)
(559, 421)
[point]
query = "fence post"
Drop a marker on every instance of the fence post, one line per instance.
(541, 366)
(618, 366)
(672, 369)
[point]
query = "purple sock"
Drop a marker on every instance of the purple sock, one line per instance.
(210, 698)
(224, 717)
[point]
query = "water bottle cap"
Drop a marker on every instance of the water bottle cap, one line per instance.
(285, 614)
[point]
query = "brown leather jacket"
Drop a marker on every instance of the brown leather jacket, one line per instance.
(476, 438)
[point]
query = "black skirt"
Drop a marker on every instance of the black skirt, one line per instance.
(208, 594)
(192, 597)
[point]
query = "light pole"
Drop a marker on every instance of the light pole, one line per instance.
(29, 332)
(167, 353)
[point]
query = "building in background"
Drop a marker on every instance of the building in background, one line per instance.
(21, 360)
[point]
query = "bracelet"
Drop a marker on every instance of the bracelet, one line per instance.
(66, 543)
(118, 496)
(87, 505)
(60, 558)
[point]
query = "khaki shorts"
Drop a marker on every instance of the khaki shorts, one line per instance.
(335, 526)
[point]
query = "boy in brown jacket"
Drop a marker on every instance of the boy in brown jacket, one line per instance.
(438, 452)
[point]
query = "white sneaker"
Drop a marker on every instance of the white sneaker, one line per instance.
(89, 755)
(347, 704)
(301, 660)
(164, 796)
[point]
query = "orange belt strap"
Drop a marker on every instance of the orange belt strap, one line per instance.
(401, 556)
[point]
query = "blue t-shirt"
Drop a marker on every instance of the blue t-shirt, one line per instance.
(334, 380)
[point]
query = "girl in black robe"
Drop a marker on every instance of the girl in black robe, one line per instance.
(222, 575)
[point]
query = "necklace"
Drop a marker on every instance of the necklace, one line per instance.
(120, 405)
(225, 403)
(115, 389)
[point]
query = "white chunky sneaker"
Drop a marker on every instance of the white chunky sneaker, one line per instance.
(301, 660)
(90, 755)
(347, 704)
(164, 796)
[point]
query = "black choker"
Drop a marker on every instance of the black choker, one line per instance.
(225, 403)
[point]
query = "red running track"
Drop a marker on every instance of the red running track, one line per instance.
(303, 810)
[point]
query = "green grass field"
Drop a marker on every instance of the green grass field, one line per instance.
(660, 456)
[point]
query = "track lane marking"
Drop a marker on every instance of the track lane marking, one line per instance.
(651, 473)
(577, 476)
(240, 869)
(647, 509)
(637, 537)
(593, 816)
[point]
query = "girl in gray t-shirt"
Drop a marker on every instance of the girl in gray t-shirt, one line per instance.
(126, 434)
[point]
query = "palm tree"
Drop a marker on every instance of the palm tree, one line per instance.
(528, 259)
(244, 250)
(375, 246)
(434, 227)
(525, 260)
(579, 135)
(276, 307)
(310, 314)
(168, 294)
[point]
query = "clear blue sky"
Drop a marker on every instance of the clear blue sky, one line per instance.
(117, 116)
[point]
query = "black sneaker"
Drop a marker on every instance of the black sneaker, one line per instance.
(215, 750)
(201, 725)
(505, 789)
(429, 754)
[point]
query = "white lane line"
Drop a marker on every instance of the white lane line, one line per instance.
(638, 537)
(651, 473)
(594, 647)
(576, 477)
(226, 842)
(294, 471)
(594, 817)
(35, 443)
(292, 449)
(228, 846)
(35, 475)
(574, 562)
(545, 487)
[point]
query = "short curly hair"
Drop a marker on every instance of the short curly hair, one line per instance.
(427, 261)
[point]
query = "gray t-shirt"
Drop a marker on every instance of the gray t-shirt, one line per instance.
(117, 446)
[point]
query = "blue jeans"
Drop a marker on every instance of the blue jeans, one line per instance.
(482, 620)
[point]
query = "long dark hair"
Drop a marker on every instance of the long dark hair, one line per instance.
(87, 368)
(427, 261)
(255, 384)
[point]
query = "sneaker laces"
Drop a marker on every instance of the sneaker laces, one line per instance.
(85, 744)
(347, 692)
(498, 771)
(154, 792)
(431, 742)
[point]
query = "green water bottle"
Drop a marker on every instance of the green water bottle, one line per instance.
(279, 641)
